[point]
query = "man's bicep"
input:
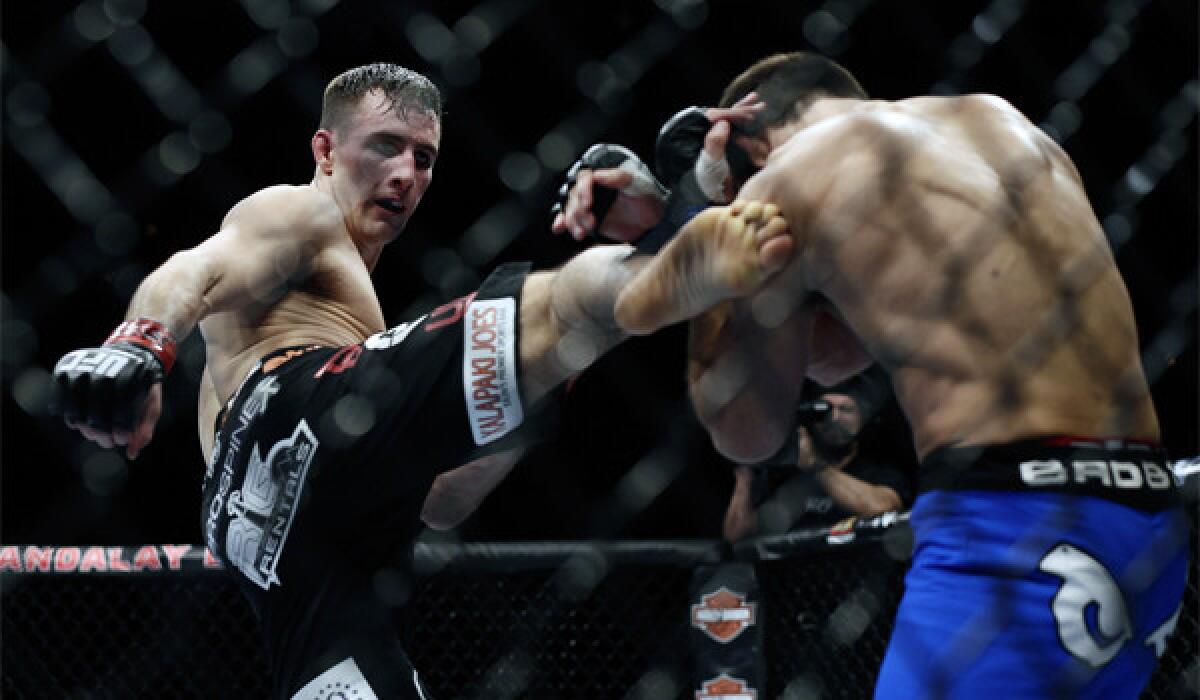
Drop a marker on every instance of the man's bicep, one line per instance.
(269, 241)
(244, 268)
(263, 248)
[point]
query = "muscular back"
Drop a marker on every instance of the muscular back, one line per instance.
(956, 240)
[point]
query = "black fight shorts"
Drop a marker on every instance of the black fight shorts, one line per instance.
(320, 468)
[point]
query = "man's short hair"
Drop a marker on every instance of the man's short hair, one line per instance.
(403, 88)
(788, 83)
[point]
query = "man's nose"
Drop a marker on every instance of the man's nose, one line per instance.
(404, 171)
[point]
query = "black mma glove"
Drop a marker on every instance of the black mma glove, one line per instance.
(609, 155)
(696, 180)
(104, 387)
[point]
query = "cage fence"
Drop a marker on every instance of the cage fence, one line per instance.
(539, 620)
(546, 624)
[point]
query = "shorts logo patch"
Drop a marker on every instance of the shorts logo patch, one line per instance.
(344, 681)
(254, 406)
(263, 509)
(392, 336)
(490, 369)
(1089, 609)
(1109, 474)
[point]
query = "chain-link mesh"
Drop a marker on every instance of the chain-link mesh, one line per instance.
(89, 637)
(512, 632)
(829, 622)
(518, 637)
(126, 138)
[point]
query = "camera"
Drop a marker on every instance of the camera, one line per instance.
(812, 412)
(807, 413)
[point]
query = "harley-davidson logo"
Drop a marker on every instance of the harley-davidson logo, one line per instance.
(725, 687)
(723, 614)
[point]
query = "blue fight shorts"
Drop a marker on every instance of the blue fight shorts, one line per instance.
(1049, 568)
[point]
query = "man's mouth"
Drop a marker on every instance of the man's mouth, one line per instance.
(395, 206)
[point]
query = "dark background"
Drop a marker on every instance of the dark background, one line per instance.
(130, 128)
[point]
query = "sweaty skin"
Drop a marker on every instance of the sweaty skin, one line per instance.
(291, 265)
(955, 240)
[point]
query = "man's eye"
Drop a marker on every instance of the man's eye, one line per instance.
(423, 160)
(386, 148)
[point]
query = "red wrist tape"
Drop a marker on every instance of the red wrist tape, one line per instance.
(151, 335)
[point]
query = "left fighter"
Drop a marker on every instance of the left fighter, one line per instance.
(328, 436)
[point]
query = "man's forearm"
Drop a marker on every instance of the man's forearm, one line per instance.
(856, 495)
(174, 294)
(740, 519)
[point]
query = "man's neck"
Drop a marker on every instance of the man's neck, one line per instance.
(370, 250)
(820, 110)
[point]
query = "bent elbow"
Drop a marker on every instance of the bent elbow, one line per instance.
(883, 500)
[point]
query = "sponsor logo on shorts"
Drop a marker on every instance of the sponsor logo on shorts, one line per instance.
(726, 687)
(449, 313)
(263, 509)
(1113, 474)
(254, 406)
(392, 336)
(345, 358)
(723, 614)
(490, 369)
(345, 681)
(1088, 591)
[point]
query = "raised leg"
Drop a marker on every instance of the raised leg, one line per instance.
(745, 378)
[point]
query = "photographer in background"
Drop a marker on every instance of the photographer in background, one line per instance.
(841, 464)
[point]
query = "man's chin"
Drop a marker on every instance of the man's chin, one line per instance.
(390, 228)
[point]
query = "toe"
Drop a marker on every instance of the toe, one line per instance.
(753, 211)
(776, 226)
(736, 226)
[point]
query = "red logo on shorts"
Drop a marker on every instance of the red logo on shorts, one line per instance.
(342, 360)
(448, 313)
(725, 687)
(723, 614)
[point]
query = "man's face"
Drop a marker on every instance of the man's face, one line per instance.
(842, 424)
(382, 164)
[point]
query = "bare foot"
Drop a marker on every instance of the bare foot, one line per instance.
(723, 253)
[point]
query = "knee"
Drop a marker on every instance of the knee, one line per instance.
(746, 436)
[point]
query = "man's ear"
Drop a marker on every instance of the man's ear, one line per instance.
(756, 148)
(322, 150)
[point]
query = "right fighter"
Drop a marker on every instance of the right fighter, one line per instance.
(955, 240)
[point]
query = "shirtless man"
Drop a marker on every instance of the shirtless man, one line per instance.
(956, 241)
(323, 430)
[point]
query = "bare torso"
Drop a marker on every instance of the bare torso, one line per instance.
(956, 240)
(334, 305)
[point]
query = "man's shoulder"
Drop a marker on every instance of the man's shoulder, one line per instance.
(284, 199)
(917, 117)
(295, 208)
(977, 101)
